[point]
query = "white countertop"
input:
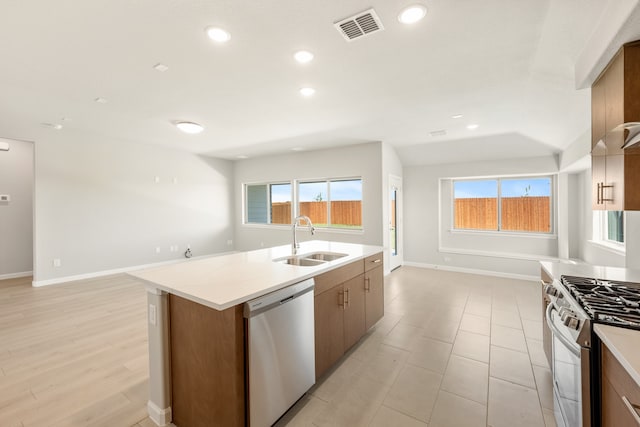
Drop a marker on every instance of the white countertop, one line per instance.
(223, 281)
(625, 346)
(557, 269)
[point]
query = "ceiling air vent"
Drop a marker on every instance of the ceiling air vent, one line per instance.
(441, 132)
(361, 24)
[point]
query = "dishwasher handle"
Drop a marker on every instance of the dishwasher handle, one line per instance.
(274, 299)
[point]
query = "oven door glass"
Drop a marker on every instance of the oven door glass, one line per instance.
(566, 371)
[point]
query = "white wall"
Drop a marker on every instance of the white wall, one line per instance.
(422, 201)
(98, 207)
(364, 160)
(16, 216)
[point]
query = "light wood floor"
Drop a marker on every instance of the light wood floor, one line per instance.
(73, 354)
(452, 350)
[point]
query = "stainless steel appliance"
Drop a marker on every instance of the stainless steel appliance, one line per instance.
(577, 303)
(281, 351)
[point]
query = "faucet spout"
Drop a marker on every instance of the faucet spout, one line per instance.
(295, 245)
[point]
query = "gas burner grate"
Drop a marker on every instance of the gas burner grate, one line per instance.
(606, 301)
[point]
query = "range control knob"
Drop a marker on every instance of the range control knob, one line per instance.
(571, 322)
(550, 290)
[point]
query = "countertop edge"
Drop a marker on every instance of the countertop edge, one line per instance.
(373, 249)
(605, 332)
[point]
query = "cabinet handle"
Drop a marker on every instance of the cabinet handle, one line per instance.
(375, 261)
(347, 294)
(598, 196)
(632, 408)
(343, 300)
(602, 187)
(367, 284)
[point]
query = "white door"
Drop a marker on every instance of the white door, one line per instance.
(395, 222)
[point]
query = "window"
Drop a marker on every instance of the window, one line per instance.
(503, 204)
(268, 203)
(609, 227)
(333, 203)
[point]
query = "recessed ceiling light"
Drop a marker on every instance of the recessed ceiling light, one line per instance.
(161, 67)
(307, 91)
(297, 149)
(412, 14)
(55, 126)
(189, 127)
(100, 100)
(472, 127)
(303, 56)
(218, 35)
(242, 156)
(456, 116)
(441, 132)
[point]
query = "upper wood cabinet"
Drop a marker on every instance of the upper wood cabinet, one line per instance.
(615, 99)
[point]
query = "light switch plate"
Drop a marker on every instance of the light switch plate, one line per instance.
(5, 198)
(152, 314)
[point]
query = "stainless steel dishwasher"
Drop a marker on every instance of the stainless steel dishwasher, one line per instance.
(281, 353)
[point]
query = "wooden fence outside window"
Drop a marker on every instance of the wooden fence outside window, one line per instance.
(343, 213)
(532, 214)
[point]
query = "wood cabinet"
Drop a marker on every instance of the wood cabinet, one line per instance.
(374, 290)
(620, 394)
(348, 301)
(615, 99)
(207, 364)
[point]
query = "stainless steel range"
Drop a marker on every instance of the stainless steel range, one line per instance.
(577, 303)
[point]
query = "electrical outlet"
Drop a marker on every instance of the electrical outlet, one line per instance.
(152, 314)
(156, 179)
(157, 249)
(229, 242)
(57, 263)
(175, 180)
(447, 259)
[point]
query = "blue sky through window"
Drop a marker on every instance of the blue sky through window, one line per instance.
(509, 188)
(280, 193)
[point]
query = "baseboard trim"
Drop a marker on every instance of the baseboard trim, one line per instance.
(16, 275)
(65, 279)
(161, 417)
(472, 271)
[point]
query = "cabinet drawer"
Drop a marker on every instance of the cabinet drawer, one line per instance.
(373, 261)
(617, 385)
(328, 280)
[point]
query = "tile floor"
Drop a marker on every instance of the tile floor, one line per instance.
(453, 349)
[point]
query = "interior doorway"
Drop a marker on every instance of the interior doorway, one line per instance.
(395, 222)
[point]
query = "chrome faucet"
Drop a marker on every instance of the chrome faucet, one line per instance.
(295, 245)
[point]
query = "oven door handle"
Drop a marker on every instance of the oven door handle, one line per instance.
(573, 347)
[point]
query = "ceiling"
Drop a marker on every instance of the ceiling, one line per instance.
(505, 65)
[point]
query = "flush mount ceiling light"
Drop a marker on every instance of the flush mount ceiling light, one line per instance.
(218, 34)
(307, 91)
(189, 127)
(100, 100)
(472, 127)
(456, 116)
(297, 149)
(412, 14)
(303, 56)
(242, 156)
(56, 126)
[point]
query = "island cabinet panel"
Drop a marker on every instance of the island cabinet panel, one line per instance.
(374, 296)
(354, 312)
(329, 328)
(545, 279)
(207, 364)
(620, 394)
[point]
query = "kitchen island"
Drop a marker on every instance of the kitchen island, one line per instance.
(196, 326)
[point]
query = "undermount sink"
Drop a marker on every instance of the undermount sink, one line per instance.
(299, 261)
(310, 260)
(324, 256)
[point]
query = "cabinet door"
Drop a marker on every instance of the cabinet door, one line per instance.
(374, 296)
(598, 164)
(613, 194)
(598, 112)
(614, 97)
(632, 178)
(354, 315)
(329, 328)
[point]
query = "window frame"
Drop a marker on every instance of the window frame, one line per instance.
(328, 181)
(245, 203)
(499, 230)
(601, 231)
